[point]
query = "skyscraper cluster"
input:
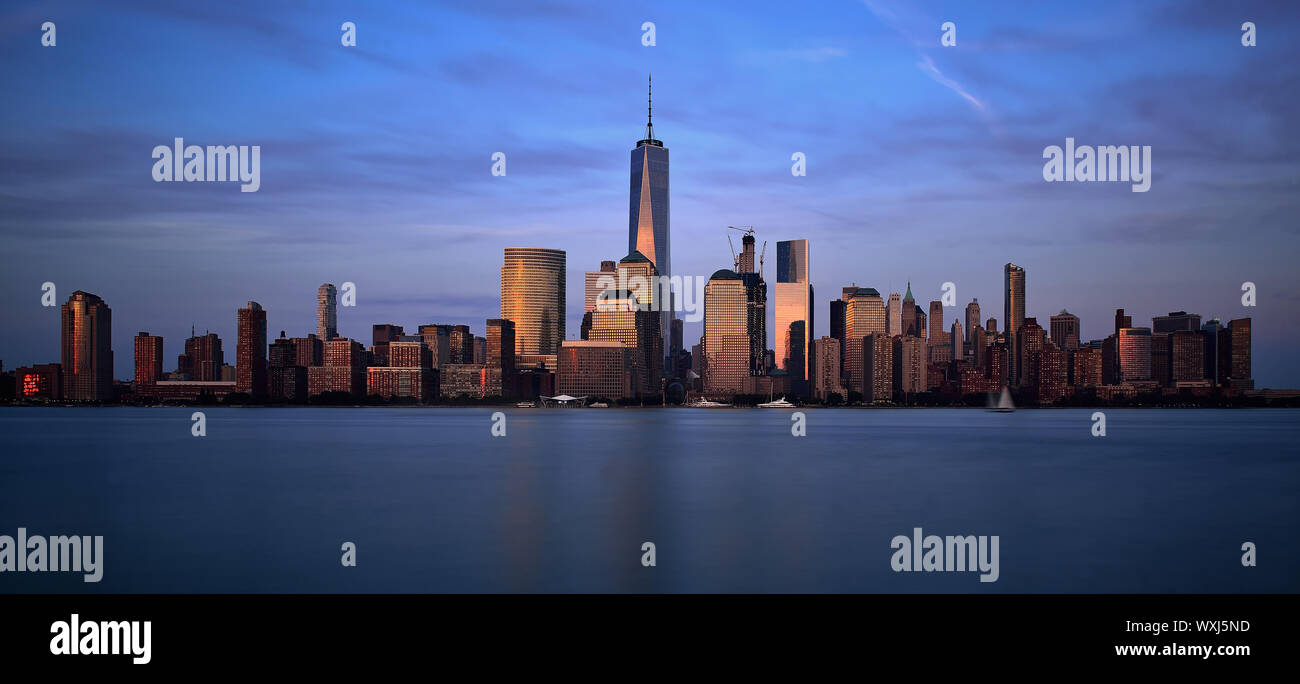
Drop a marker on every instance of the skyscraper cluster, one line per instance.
(881, 348)
(1176, 355)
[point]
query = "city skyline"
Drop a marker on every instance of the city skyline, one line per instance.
(1176, 350)
(943, 190)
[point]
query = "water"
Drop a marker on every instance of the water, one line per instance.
(733, 502)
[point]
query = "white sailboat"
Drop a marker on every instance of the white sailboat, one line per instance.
(1004, 405)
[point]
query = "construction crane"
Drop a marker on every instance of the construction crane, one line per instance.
(747, 230)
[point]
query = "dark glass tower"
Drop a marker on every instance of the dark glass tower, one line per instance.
(1013, 308)
(87, 348)
(647, 228)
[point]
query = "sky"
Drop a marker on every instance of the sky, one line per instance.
(924, 162)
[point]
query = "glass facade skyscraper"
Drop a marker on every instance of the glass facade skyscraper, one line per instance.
(87, 347)
(648, 227)
(533, 296)
(794, 303)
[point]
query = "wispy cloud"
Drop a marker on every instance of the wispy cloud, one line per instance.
(927, 66)
(904, 27)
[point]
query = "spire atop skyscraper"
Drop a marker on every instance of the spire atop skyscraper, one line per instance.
(648, 209)
(649, 111)
(649, 115)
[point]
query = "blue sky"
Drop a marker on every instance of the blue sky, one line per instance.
(924, 162)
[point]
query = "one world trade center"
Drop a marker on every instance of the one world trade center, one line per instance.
(648, 211)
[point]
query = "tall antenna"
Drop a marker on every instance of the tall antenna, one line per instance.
(649, 138)
(649, 111)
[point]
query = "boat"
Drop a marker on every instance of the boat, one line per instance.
(1004, 404)
(705, 403)
(600, 404)
(562, 401)
(526, 404)
(779, 403)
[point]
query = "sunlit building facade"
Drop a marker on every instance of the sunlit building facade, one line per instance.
(1134, 354)
(344, 369)
(469, 380)
(619, 317)
(409, 355)
(794, 304)
(308, 351)
(726, 350)
(595, 282)
(533, 296)
(389, 382)
(648, 212)
(865, 313)
(148, 360)
(87, 348)
(594, 368)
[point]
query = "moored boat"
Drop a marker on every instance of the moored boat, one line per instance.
(1004, 405)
